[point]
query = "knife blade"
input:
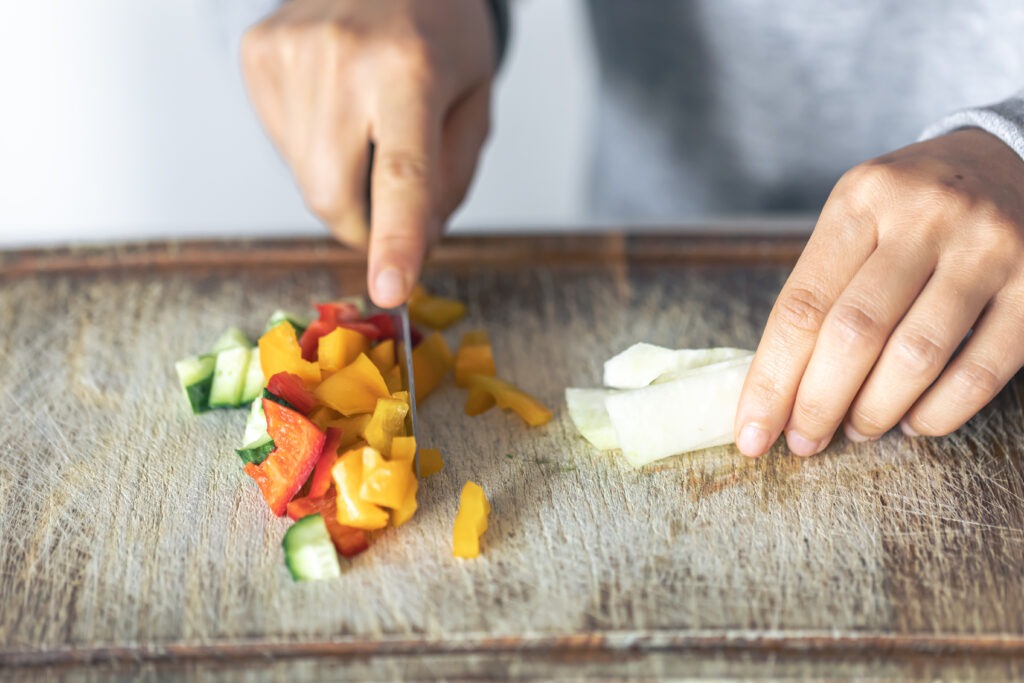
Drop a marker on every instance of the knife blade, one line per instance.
(409, 377)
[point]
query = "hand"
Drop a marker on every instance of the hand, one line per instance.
(330, 77)
(912, 251)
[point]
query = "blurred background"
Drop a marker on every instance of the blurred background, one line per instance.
(127, 119)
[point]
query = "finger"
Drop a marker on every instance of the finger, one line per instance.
(988, 360)
(917, 351)
(335, 164)
(840, 244)
(465, 131)
(403, 189)
(261, 69)
(851, 338)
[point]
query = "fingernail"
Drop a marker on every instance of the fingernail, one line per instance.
(389, 287)
(754, 440)
(855, 436)
(801, 445)
(907, 429)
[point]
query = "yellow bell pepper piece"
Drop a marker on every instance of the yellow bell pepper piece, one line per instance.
(404, 448)
(387, 421)
(474, 357)
(430, 462)
(470, 521)
(431, 361)
(352, 429)
(407, 509)
(354, 389)
(280, 352)
(434, 312)
(513, 398)
(385, 482)
(338, 348)
(353, 511)
(478, 401)
(322, 417)
(383, 356)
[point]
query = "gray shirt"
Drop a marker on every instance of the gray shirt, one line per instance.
(712, 107)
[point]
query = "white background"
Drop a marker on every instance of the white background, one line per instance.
(127, 119)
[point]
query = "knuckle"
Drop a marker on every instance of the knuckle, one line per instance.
(403, 166)
(764, 388)
(870, 422)
(809, 412)
(324, 200)
(918, 352)
(925, 425)
(976, 382)
(411, 59)
(854, 323)
(801, 308)
(255, 47)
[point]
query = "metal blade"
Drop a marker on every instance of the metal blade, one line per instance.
(405, 359)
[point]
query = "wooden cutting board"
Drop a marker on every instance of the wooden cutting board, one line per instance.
(131, 543)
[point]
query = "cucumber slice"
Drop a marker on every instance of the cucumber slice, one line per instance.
(252, 387)
(300, 323)
(196, 377)
(232, 338)
(309, 552)
(256, 423)
(257, 451)
(278, 400)
(228, 378)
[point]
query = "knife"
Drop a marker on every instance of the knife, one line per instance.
(405, 362)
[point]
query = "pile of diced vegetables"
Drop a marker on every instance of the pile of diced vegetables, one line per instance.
(326, 439)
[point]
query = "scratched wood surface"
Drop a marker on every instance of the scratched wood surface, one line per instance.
(133, 546)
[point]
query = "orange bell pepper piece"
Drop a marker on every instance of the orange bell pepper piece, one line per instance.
(388, 420)
(513, 398)
(280, 352)
(352, 509)
(354, 389)
(340, 347)
(385, 482)
(434, 312)
(470, 521)
(403, 448)
(297, 447)
(475, 357)
(478, 401)
(431, 361)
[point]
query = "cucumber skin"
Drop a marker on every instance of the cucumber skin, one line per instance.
(257, 452)
(278, 400)
(198, 392)
(310, 533)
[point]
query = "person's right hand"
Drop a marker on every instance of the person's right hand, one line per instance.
(330, 77)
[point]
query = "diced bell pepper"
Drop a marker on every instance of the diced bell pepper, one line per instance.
(470, 521)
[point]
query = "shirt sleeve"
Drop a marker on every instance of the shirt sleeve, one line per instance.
(1005, 120)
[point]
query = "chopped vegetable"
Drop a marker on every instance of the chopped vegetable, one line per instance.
(388, 421)
(348, 540)
(298, 444)
(431, 361)
(430, 462)
(280, 352)
(590, 415)
(643, 364)
(340, 347)
(196, 377)
(511, 397)
(355, 388)
(291, 388)
(385, 482)
(309, 552)
(433, 311)
(232, 338)
(352, 509)
(298, 322)
(404, 448)
(474, 357)
(229, 377)
(478, 401)
(321, 480)
(470, 521)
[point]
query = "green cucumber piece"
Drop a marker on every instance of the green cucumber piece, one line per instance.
(252, 387)
(256, 423)
(228, 378)
(232, 338)
(309, 552)
(196, 377)
(278, 400)
(300, 323)
(257, 451)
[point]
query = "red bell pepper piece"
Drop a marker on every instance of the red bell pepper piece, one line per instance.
(322, 480)
(348, 540)
(298, 444)
(310, 338)
(292, 389)
(385, 325)
(338, 312)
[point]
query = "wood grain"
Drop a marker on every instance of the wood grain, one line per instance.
(130, 538)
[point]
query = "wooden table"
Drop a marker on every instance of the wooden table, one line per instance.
(131, 543)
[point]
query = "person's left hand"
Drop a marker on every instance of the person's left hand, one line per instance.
(913, 251)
